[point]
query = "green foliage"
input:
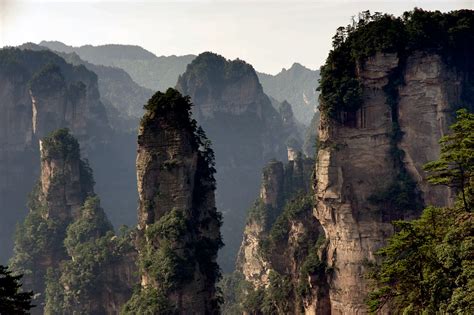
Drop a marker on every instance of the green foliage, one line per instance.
(253, 300)
(257, 212)
(92, 245)
(12, 299)
(87, 177)
(169, 259)
(301, 204)
(48, 80)
(427, 265)
(92, 224)
(399, 195)
(162, 262)
(60, 144)
(447, 34)
(171, 226)
(35, 236)
(54, 292)
(148, 301)
(311, 266)
(206, 168)
(277, 298)
(171, 107)
(233, 287)
(295, 207)
(274, 299)
(310, 145)
(455, 167)
(168, 269)
(340, 88)
(215, 69)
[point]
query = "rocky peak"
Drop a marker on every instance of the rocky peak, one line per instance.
(218, 85)
(272, 187)
(178, 222)
(65, 179)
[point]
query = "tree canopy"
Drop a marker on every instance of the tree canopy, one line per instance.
(12, 299)
(428, 264)
(455, 167)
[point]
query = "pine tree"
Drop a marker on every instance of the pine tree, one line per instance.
(427, 266)
(12, 300)
(455, 167)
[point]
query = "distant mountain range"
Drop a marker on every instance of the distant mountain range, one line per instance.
(145, 68)
(297, 85)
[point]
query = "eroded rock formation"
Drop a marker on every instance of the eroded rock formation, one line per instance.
(178, 222)
(40, 93)
(356, 164)
(66, 247)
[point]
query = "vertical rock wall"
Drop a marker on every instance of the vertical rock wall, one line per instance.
(176, 191)
(355, 161)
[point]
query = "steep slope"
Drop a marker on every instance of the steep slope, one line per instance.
(62, 231)
(246, 132)
(297, 85)
(388, 92)
(40, 92)
(148, 70)
(178, 222)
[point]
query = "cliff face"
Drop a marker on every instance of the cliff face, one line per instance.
(356, 161)
(64, 181)
(246, 132)
(66, 245)
(178, 222)
(280, 252)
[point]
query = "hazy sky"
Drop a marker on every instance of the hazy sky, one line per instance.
(268, 34)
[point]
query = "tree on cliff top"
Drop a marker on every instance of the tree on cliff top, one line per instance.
(455, 167)
(449, 35)
(428, 264)
(12, 300)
